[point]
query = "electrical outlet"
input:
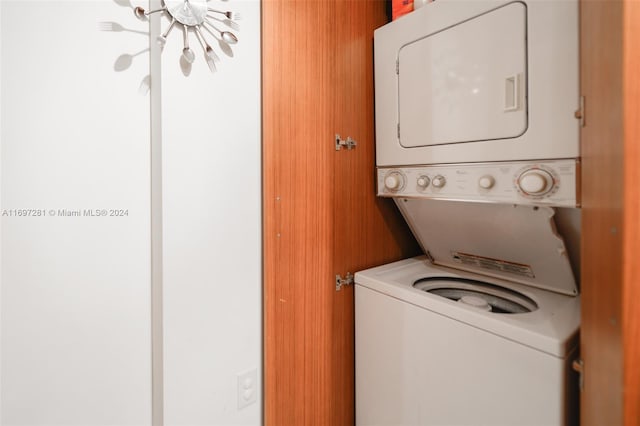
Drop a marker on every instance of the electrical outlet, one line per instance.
(247, 388)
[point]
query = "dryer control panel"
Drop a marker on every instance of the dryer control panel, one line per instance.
(551, 183)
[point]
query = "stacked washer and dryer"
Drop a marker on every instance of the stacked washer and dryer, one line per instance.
(478, 144)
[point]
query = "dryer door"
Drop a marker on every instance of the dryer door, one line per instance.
(467, 82)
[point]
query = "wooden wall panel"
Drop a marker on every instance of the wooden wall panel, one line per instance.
(611, 212)
(631, 290)
(368, 231)
(296, 226)
(321, 218)
(320, 213)
(602, 212)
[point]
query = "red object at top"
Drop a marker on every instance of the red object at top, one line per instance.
(401, 7)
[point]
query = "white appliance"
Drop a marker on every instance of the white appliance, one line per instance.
(462, 82)
(487, 343)
(475, 102)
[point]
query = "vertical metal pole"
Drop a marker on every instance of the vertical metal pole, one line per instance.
(157, 390)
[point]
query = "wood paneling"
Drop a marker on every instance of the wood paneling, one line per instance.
(631, 289)
(296, 223)
(602, 161)
(321, 217)
(368, 231)
(610, 231)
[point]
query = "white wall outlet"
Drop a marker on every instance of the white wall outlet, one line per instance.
(247, 388)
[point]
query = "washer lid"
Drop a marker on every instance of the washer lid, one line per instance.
(512, 242)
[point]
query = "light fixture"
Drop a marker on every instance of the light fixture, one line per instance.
(196, 16)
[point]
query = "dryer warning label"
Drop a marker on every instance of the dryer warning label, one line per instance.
(493, 264)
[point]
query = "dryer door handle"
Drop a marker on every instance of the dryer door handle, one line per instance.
(512, 93)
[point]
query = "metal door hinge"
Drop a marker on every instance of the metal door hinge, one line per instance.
(398, 66)
(579, 114)
(348, 143)
(347, 280)
(578, 366)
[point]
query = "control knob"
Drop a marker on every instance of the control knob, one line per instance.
(423, 181)
(394, 181)
(535, 182)
(438, 181)
(486, 182)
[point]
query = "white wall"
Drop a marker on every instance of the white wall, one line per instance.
(212, 234)
(75, 291)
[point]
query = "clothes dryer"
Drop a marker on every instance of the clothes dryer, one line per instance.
(461, 81)
(494, 82)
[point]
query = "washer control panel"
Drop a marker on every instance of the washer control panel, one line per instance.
(553, 182)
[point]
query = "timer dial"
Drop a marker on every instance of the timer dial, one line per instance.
(394, 181)
(535, 182)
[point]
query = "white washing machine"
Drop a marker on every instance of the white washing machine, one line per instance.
(480, 331)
